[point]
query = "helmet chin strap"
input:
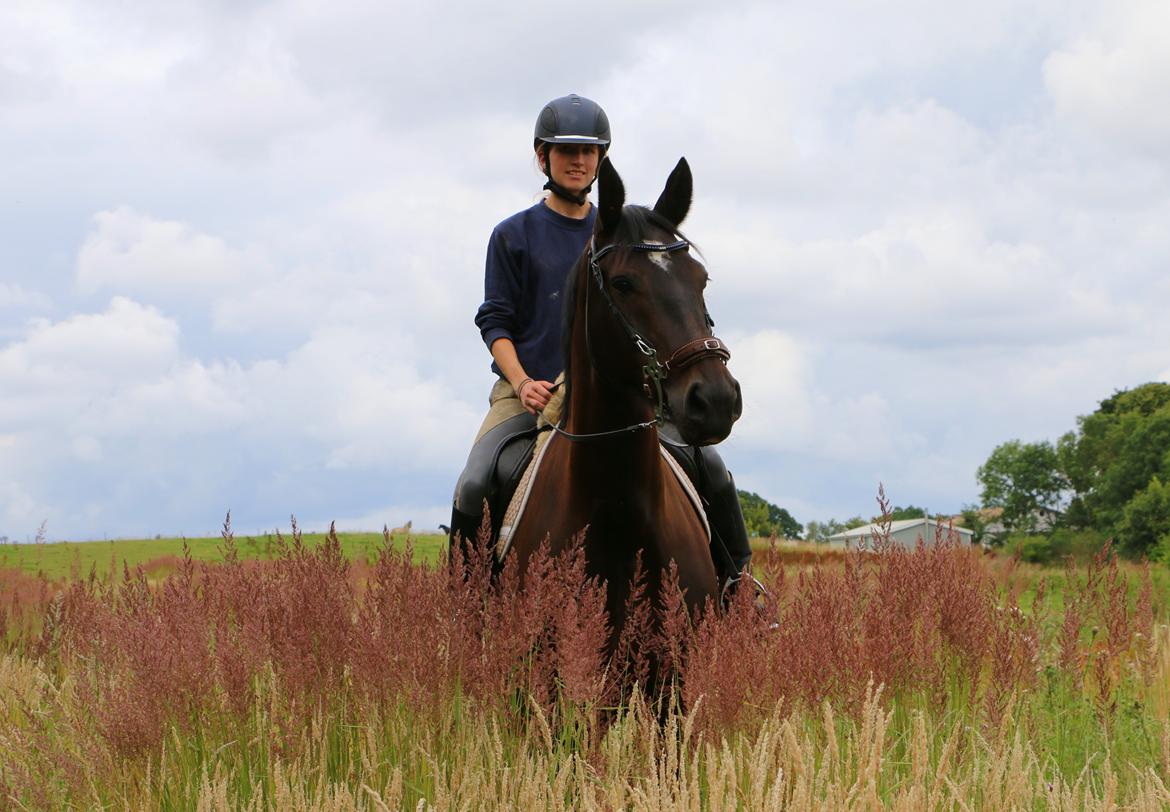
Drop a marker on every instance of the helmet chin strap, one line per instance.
(579, 198)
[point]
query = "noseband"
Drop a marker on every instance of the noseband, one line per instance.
(654, 372)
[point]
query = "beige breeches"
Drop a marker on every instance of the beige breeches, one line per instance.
(503, 403)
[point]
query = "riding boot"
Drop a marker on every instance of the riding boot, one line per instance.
(730, 548)
(464, 526)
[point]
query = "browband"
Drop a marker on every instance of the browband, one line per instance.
(638, 246)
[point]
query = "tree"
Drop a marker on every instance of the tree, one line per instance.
(763, 518)
(820, 531)
(1115, 453)
(897, 514)
(789, 527)
(1021, 478)
(973, 519)
(1116, 465)
(1145, 522)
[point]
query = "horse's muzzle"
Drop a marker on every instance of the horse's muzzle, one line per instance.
(710, 405)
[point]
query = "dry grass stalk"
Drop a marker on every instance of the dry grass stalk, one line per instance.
(123, 673)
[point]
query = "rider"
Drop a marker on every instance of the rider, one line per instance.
(528, 258)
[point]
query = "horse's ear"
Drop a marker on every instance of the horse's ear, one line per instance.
(675, 201)
(611, 196)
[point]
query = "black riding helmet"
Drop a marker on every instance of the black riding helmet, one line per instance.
(570, 119)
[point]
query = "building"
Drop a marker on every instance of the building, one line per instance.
(904, 533)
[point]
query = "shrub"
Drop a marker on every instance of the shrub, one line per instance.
(1061, 543)
(1162, 551)
(1145, 519)
(1035, 549)
(1079, 544)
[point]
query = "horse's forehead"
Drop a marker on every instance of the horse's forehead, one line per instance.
(666, 260)
(659, 258)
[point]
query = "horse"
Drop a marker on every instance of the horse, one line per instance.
(634, 297)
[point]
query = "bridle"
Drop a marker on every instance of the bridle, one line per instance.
(654, 371)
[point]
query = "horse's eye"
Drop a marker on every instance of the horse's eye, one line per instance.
(622, 283)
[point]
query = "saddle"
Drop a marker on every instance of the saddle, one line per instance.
(685, 467)
(517, 447)
(495, 467)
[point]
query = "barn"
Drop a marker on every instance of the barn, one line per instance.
(904, 533)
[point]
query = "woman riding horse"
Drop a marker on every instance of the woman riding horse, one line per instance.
(528, 257)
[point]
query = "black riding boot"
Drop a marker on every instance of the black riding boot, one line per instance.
(493, 467)
(465, 525)
(729, 548)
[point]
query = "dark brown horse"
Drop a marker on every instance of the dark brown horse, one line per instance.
(638, 350)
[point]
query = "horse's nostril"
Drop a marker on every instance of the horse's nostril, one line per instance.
(696, 404)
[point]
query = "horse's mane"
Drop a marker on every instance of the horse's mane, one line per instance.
(632, 228)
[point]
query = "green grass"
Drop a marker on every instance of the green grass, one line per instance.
(67, 559)
(1056, 580)
(407, 752)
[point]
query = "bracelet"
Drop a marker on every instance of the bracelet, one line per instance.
(520, 388)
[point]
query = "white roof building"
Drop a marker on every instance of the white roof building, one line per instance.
(904, 533)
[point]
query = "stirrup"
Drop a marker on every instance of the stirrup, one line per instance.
(733, 582)
(761, 592)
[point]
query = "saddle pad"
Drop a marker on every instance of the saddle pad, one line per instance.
(520, 498)
(689, 488)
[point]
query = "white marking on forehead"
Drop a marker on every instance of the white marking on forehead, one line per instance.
(659, 258)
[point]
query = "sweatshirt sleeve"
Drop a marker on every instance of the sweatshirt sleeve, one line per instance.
(503, 287)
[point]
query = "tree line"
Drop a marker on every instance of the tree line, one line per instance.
(1111, 475)
(763, 518)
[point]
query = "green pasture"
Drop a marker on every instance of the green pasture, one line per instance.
(73, 559)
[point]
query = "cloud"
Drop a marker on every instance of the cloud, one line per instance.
(133, 253)
(777, 406)
(1113, 80)
(252, 238)
(17, 297)
(127, 339)
(108, 406)
(933, 279)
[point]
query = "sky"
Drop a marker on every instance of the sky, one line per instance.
(242, 243)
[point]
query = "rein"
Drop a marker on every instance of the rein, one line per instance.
(654, 372)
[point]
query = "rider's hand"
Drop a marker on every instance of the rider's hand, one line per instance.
(534, 395)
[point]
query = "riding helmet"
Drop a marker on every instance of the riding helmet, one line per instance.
(572, 119)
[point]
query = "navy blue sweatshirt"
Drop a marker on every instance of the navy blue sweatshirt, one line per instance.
(528, 259)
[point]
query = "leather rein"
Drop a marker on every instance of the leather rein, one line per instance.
(654, 371)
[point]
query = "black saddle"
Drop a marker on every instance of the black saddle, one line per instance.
(497, 462)
(494, 468)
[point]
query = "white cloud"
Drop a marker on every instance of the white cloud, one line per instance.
(293, 202)
(133, 253)
(128, 339)
(1116, 79)
(931, 278)
(777, 407)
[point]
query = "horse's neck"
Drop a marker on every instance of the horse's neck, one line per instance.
(629, 456)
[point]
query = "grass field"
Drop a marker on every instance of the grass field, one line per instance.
(73, 559)
(342, 675)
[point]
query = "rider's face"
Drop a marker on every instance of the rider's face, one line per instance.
(573, 166)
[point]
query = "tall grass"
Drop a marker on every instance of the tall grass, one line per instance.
(908, 678)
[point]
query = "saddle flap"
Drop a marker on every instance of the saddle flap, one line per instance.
(520, 499)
